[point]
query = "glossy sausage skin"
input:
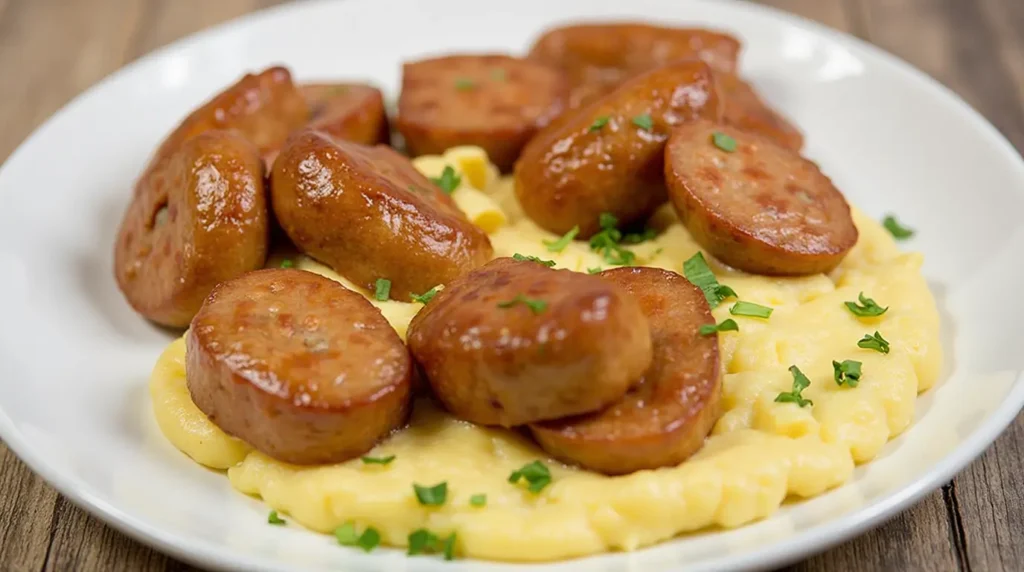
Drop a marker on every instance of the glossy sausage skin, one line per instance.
(745, 110)
(367, 213)
(665, 418)
(349, 111)
(297, 366)
(762, 208)
(575, 169)
(597, 58)
(496, 102)
(494, 361)
(199, 219)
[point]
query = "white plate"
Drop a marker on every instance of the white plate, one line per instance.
(74, 398)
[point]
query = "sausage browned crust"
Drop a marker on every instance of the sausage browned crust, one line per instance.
(760, 208)
(665, 418)
(199, 219)
(349, 111)
(495, 102)
(597, 58)
(518, 342)
(745, 110)
(369, 214)
(297, 366)
(607, 156)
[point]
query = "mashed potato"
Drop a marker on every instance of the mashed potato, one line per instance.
(760, 452)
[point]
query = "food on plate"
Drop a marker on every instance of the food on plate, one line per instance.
(598, 57)
(367, 213)
(607, 157)
(755, 205)
(665, 418)
(516, 342)
(298, 366)
(198, 220)
(664, 319)
(496, 102)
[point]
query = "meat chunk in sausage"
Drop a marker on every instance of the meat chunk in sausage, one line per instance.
(665, 418)
(758, 207)
(369, 214)
(518, 342)
(597, 58)
(496, 102)
(349, 111)
(301, 368)
(745, 110)
(607, 157)
(198, 220)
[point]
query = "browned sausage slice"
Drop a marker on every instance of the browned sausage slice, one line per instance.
(517, 342)
(200, 219)
(745, 110)
(608, 156)
(760, 208)
(666, 417)
(367, 213)
(349, 111)
(496, 102)
(297, 366)
(598, 57)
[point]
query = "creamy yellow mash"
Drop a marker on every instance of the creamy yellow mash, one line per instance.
(760, 452)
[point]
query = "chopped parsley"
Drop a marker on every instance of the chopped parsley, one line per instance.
(723, 141)
(422, 541)
(525, 258)
(599, 123)
(448, 181)
(431, 496)
(606, 242)
(560, 244)
(874, 342)
(846, 373)
(346, 536)
(868, 308)
(698, 272)
(897, 230)
(593, 270)
(426, 296)
(639, 237)
(378, 460)
(498, 74)
(535, 305)
(449, 547)
(800, 383)
(536, 475)
(644, 122)
(287, 263)
(750, 309)
(464, 84)
(478, 500)
(728, 325)
(272, 518)
(382, 290)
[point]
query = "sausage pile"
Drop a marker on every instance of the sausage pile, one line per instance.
(598, 122)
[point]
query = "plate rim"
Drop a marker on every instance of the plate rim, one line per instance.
(810, 541)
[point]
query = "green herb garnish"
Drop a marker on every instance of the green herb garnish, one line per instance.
(378, 460)
(272, 518)
(897, 230)
(449, 547)
(560, 244)
(728, 325)
(606, 242)
(867, 308)
(698, 272)
(431, 496)
(639, 237)
(847, 373)
(464, 84)
(535, 305)
(750, 309)
(426, 296)
(382, 290)
(525, 258)
(346, 536)
(644, 122)
(498, 74)
(448, 181)
(874, 342)
(599, 123)
(723, 141)
(594, 270)
(800, 383)
(478, 500)
(422, 541)
(536, 474)
(287, 263)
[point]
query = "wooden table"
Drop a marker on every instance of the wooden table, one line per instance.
(51, 50)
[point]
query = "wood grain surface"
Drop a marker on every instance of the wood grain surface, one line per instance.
(52, 50)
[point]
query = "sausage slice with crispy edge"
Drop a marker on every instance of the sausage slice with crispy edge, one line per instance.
(758, 207)
(496, 102)
(301, 368)
(349, 111)
(745, 110)
(607, 157)
(201, 218)
(518, 342)
(664, 419)
(369, 214)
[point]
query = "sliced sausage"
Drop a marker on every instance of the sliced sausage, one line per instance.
(760, 208)
(665, 418)
(301, 368)
(198, 220)
(597, 58)
(349, 111)
(607, 156)
(368, 213)
(518, 342)
(745, 110)
(495, 102)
